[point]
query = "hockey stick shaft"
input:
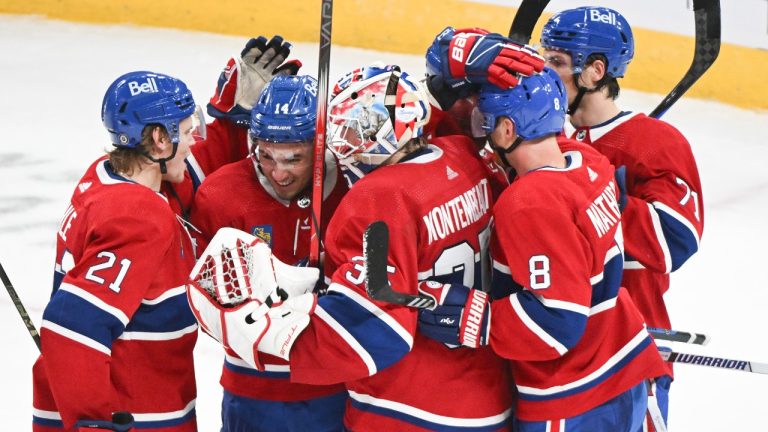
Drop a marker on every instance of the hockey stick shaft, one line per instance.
(525, 20)
(318, 170)
(707, 15)
(678, 336)
(20, 307)
(714, 362)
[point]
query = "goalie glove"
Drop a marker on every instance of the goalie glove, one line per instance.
(461, 315)
(243, 78)
(252, 326)
(466, 57)
(236, 267)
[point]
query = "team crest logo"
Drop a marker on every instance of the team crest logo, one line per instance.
(263, 232)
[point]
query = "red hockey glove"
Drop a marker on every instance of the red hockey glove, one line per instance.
(461, 316)
(474, 56)
(243, 78)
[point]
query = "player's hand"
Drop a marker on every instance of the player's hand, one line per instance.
(473, 56)
(461, 315)
(621, 184)
(243, 78)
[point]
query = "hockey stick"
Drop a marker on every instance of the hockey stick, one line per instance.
(20, 307)
(375, 251)
(707, 15)
(678, 336)
(525, 20)
(318, 171)
(715, 362)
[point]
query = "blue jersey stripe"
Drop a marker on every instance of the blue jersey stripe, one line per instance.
(680, 240)
(80, 316)
(595, 382)
(172, 314)
(253, 372)
(563, 325)
(383, 344)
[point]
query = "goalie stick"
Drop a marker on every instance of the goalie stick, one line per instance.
(707, 16)
(375, 251)
(715, 362)
(20, 307)
(318, 170)
(525, 20)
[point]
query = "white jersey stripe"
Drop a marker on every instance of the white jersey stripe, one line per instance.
(173, 292)
(77, 337)
(660, 238)
(48, 415)
(267, 367)
(538, 331)
(158, 336)
(153, 417)
(428, 416)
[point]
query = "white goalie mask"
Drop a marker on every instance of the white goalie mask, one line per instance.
(374, 111)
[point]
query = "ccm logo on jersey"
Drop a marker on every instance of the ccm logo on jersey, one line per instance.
(609, 18)
(147, 87)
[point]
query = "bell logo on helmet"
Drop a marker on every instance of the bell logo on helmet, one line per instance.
(148, 87)
(608, 18)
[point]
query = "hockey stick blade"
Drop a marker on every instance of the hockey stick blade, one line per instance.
(714, 362)
(20, 307)
(525, 20)
(678, 336)
(375, 251)
(707, 15)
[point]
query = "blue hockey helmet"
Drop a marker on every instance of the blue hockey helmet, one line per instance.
(584, 31)
(373, 112)
(142, 98)
(536, 105)
(286, 110)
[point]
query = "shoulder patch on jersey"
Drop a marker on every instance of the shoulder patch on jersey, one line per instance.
(263, 232)
(450, 173)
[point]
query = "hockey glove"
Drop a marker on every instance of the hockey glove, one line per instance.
(461, 316)
(237, 266)
(121, 422)
(473, 56)
(252, 326)
(621, 184)
(242, 79)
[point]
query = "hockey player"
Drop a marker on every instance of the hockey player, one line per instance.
(117, 335)
(662, 201)
(268, 195)
(436, 198)
(577, 346)
(225, 139)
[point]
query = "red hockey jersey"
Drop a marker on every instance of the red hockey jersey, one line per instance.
(225, 142)
(437, 204)
(239, 196)
(573, 337)
(664, 217)
(117, 334)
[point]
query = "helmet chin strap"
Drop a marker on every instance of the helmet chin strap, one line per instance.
(162, 161)
(503, 152)
(573, 106)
